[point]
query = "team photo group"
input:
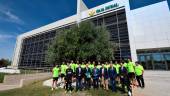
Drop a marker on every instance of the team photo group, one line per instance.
(113, 75)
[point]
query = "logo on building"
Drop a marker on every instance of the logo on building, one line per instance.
(103, 9)
(91, 13)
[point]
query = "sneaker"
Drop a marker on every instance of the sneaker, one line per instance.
(52, 89)
(70, 92)
(129, 93)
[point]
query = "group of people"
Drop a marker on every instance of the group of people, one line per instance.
(94, 75)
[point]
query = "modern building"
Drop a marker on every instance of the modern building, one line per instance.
(140, 27)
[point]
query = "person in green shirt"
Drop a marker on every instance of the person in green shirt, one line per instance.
(139, 70)
(63, 71)
(131, 71)
(55, 73)
(107, 65)
(76, 65)
(117, 66)
(91, 65)
(72, 64)
(83, 65)
(99, 65)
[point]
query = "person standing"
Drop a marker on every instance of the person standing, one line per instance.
(112, 76)
(124, 79)
(55, 72)
(63, 71)
(83, 66)
(87, 77)
(104, 77)
(79, 76)
(117, 66)
(139, 70)
(95, 76)
(131, 71)
(72, 64)
(68, 79)
(91, 65)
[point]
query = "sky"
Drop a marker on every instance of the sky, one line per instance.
(20, 16)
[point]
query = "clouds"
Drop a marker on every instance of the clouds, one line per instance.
(7, 15)
(6, 36)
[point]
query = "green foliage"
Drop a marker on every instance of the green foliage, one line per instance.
(4, 62)
(83, 42)
(2, 77)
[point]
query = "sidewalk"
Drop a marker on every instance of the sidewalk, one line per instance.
(17, 81)
(157, 84)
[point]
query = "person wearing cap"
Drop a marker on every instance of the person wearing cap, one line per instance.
(104, 77)
(55, 72)
(139, 70)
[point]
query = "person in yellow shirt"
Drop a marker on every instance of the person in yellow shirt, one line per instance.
(139, 70)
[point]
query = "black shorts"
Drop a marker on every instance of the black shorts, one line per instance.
(131, 75)
(55, 78)
(62, 75)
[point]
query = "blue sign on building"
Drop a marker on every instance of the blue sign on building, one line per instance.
(134, 4)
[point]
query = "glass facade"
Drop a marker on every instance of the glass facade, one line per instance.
(33, 48)
(116, 24)
(158, 59)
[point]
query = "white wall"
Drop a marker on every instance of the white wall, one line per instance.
(149, 27)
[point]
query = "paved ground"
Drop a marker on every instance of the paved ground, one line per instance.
(157, 84)
(17, 81)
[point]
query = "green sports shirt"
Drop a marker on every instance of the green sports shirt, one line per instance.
(130, 67)
(55, 72)
(117, 66)
(63, 68)
(139, 70)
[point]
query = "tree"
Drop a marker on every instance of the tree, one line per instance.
(4, 62)
(83, 42)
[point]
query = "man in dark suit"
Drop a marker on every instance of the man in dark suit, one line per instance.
(112, 76)
(79, 76)
(124, 79)
(95, 75)
(104, 77)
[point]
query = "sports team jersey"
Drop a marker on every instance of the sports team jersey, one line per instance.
(117, 66)
(130, 67)
(76, 66)
(72, 66)
(63, 69)
(91, 66)
(55, 72)
(83, 66)
(139, 70)
(99, 66)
